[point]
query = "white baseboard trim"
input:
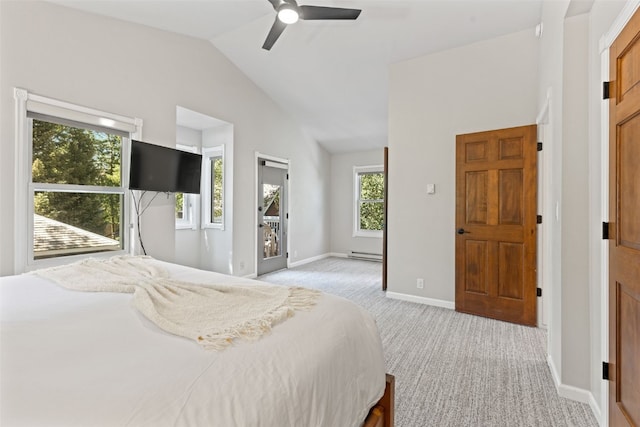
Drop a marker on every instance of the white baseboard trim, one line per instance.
(306, 261)
(574, 393)
(315, 258)
(422, 300)
(554, 371)
(595, 408)
(338, 255)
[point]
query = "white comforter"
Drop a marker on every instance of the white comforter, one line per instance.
(89, 359)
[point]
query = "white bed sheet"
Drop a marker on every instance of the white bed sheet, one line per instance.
(90, 359)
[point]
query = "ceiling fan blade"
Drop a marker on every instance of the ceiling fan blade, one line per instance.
(276, 29)
(319, 12)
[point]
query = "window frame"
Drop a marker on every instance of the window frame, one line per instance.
(189, 220)
(26, 103)
(208, 154)
(357, 172)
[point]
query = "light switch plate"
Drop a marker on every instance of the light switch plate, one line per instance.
(431, 189)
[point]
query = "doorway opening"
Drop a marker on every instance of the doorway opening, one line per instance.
(272, 214)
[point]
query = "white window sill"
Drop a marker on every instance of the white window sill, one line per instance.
(185, 227)
(37, 264)
(214, 226)
(365, 233)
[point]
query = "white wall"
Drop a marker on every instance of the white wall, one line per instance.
(342, 202)
(487, 85)
(141, 72)
(187, 249)
(550, 90)
(216, 245)
(188, 136)
(575, 202)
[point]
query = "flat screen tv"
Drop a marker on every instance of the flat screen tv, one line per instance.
(163, 169)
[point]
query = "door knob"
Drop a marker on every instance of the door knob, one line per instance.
(462, 231)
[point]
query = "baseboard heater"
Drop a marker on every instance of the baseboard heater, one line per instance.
(367, 256)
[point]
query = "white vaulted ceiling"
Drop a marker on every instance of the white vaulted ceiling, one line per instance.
(330, 76)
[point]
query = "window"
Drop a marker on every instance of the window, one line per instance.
(76, 185)
(212, 192)
(369, 201)
(186, 204)
(213, 202)
(72, 180)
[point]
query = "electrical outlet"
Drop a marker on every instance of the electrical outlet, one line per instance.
(241, 265)
(420, 283)
(295, 254)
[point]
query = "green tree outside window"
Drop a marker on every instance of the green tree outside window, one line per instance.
(371, 200)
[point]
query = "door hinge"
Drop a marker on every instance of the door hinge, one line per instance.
(538, 292)
(605, 231)
(287, 176)
(539, 146)
(538, 219)
(287, 215)
(605, 371)
(605, 90)
(287, 255)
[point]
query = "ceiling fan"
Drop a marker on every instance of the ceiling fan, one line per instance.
(289, 12)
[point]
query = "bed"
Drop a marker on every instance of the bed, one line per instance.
(70, 358)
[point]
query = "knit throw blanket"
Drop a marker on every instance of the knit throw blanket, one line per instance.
(211, 314)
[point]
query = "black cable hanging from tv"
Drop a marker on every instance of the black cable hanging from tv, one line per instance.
(137, 206)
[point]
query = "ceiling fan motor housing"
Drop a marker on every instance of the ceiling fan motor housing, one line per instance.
(288, 13)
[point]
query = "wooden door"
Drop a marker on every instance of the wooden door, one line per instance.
(496, 193)
(385, 219)
(624, 228)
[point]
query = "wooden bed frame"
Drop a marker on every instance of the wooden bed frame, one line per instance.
(383, 413)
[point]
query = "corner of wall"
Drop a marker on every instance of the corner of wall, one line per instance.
(573, 393)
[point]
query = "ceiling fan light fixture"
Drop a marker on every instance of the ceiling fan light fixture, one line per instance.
(288, 14)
